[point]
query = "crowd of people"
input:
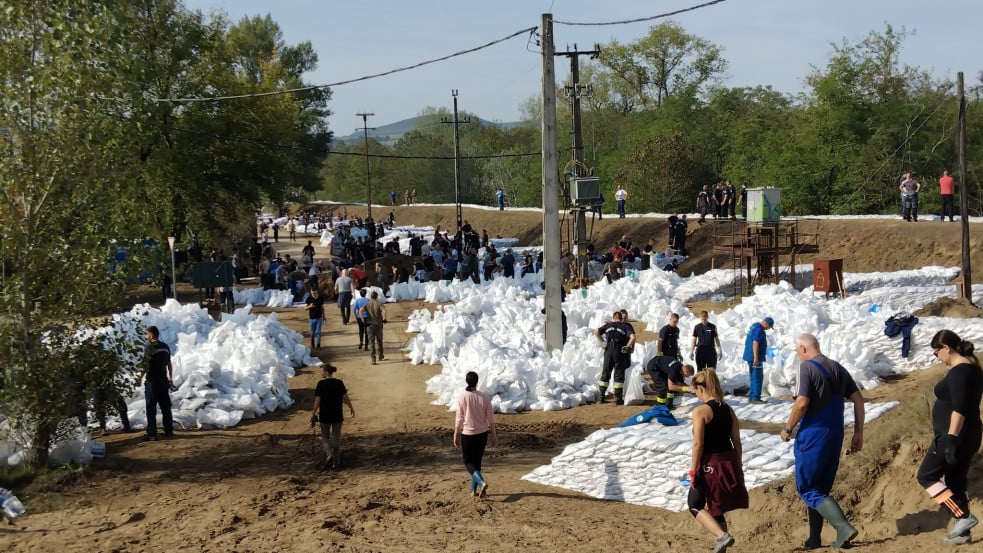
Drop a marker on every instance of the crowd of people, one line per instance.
(715, 473)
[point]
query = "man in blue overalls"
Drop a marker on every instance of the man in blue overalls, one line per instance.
(823, 383)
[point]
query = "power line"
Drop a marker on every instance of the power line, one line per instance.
(640, 19)
(908, 137)
(349, 81)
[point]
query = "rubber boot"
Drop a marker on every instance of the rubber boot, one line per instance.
(619, 396)
(831, 511)
(815, 540)
(603, 392)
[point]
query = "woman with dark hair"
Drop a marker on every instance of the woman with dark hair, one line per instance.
(957, 431)
(715, 472)
(474, 422)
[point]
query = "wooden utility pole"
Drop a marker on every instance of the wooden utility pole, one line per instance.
(457, 158)
(966, 290)
(551, 190)
(365, 134)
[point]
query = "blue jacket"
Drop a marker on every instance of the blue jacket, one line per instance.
(755, 334)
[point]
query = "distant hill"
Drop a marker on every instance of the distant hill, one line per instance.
(389, 134)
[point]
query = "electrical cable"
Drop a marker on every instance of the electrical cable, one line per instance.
(641, 19)
(907, 139)
(349, 81)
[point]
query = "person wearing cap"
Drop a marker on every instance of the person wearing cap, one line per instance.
(755, 345)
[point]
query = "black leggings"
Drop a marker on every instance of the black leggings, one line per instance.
(473, 449)
(934, 467)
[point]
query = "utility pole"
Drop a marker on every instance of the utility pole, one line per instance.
(457, 157)
(966, 290)
(365, 134)
(575, 91)
(551, 189)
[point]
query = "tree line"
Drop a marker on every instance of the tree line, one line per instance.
(657, 120)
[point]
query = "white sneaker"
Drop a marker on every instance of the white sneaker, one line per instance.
(962, 526)
(721, 544)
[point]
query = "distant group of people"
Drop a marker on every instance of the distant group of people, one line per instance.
(909, 187)
(720, 200)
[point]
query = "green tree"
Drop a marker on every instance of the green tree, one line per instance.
(60, 183)
(666, 61)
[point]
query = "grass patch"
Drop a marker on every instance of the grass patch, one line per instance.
(39, 478)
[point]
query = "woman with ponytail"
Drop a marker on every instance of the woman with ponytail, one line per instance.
(957, 430)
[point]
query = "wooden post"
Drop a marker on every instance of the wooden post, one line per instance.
(967, 271)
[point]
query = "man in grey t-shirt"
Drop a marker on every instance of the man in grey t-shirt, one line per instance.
(909, 188)
(344, 288)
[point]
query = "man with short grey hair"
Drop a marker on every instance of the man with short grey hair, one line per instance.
(823, 386)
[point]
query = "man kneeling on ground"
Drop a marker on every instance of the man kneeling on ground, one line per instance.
(668, 377)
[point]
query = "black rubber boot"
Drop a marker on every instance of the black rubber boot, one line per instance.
(815, 540)
(619, 396)
(602, 394)
(831, 511)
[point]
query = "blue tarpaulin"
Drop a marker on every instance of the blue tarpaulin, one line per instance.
(658, 412)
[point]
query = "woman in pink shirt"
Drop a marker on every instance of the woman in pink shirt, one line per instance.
(474, 422)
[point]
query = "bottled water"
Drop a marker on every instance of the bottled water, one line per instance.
(684, 481)
(12, 507)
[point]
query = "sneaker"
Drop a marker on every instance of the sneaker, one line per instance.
(962, 526)
(382, 358)
(722, 543)
(168, 434)
(957, 540)
(758, 402)
(150, 439)
(482, 491)
(373, 361)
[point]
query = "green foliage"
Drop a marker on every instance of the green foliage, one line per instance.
(59, 185)
(92, 156)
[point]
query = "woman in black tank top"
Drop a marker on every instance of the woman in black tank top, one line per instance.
(716, 473)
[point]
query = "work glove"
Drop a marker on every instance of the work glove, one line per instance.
(948, 443)
(313, 420)
(625, 349)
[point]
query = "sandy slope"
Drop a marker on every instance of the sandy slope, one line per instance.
(256, 487)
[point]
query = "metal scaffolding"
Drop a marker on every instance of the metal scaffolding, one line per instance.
(758, 249)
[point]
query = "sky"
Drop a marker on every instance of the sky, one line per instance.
(766, 42)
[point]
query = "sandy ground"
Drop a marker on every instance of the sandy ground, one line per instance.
(256, 487)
